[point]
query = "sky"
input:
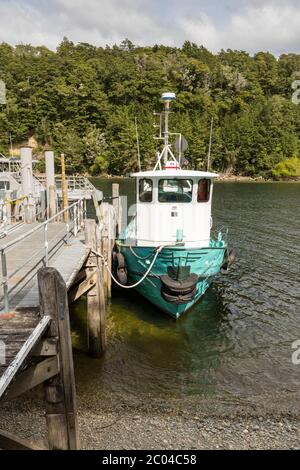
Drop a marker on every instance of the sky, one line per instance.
(250, 25)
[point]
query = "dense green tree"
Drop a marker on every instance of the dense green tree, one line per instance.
(83, 101)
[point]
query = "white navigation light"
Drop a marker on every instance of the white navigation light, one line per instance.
(168, 96)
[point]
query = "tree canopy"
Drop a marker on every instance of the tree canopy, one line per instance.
(82, 100)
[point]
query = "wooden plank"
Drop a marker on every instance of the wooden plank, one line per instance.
(116, 204)
(111, 222)
(54, 303)
(10, 442)
(23, 353)
(32, 377)
(76, 292)
(123, 211)
(102, 294)
(46, 347)
(95, 299)
(68, 261)
(67, 258)
(107, 243)
(97, 207)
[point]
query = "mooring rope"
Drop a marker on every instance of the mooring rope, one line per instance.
(141, 257)
(140, 280)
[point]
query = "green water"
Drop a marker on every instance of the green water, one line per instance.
(234, 346)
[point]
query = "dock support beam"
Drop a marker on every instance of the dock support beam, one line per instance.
(51, 189)
(96, 305)
(64, 186)
(108, 235)
(116, 205)
(60, 394)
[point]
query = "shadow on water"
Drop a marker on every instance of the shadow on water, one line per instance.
(236, 343)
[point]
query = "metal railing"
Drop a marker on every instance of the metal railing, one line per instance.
(75, 182)
(10, 219)
(74, 214)
(13, 214)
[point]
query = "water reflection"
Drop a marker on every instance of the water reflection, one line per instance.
(236, 342)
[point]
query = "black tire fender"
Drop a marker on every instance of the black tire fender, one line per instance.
(119, 268)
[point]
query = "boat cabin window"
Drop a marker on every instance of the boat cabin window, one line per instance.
(175, 190)
(204, 190)
(145, 190)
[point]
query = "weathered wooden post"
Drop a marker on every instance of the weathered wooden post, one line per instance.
(27, 183)
(60, 393)
(51, 188)
(108, 241)
(64, 186)
(116, 204)
(123, 213)
(13, 212)
(96, 306)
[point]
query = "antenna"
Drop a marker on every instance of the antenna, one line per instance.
(167, 98)
(137, 143)
(210, 141)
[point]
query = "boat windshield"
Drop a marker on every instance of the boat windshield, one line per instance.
(175, 190)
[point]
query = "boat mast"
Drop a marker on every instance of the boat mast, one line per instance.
(166, 133)
(166, 151)
(167, 98)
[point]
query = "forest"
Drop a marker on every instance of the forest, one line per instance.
(83, 101)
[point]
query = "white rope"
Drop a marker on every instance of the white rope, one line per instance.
(141, 257)
(137, 283)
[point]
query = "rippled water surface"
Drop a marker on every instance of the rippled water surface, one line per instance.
(236, 343)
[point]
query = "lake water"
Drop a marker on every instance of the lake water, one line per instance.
(234, 348)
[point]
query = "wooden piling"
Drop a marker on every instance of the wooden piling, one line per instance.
(116, 204)
(96, 305)
(107, 241)
(64, 186)
(60, 394)
(52, 201)
(50, 181)
(122, 213)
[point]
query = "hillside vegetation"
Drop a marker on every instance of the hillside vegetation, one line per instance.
(82, 100)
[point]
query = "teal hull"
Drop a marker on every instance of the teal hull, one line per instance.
(205, 262)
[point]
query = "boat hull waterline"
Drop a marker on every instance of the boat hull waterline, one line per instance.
(203, 262)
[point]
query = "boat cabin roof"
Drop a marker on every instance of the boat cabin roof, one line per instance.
(174, 174)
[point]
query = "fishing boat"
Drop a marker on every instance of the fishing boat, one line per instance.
(168, 252)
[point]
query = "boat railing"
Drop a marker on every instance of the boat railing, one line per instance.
(72, 220)
(220, 233)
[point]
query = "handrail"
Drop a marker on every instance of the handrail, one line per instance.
(74, 182)
(79, 212)
(35, 229)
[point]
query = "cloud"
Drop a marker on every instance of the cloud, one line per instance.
(250, 25)
(271, 27)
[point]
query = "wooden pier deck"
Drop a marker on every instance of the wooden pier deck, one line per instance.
(66, 253)
(45, 266)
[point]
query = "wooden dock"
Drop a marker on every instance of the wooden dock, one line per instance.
(66, 253)
(45, 266)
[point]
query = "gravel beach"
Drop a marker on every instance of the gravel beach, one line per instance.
(129, 429)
